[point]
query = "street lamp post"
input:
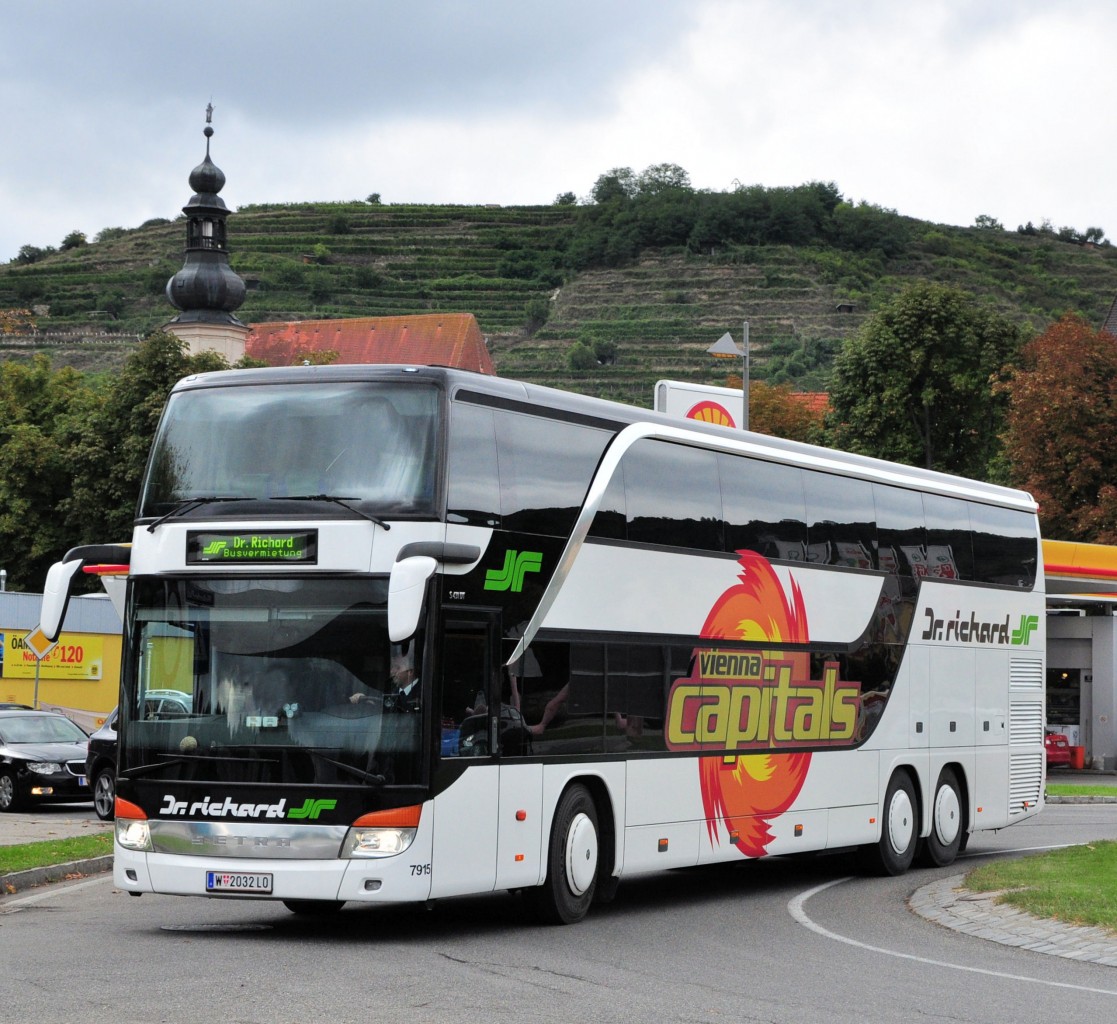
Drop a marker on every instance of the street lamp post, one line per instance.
(726, 348)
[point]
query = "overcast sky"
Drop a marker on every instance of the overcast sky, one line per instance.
(942, 109)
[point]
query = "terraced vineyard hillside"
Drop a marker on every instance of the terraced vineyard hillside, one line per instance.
(505, 265)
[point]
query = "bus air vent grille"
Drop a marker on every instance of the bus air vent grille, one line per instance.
(1025, 782)
(1025, 723)
(1026, 674)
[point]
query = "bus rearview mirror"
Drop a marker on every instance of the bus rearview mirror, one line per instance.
(406, 589)
(56, 596)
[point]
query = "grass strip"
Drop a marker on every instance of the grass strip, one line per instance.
(1077, 885)
(53, 851)
(1073, 789)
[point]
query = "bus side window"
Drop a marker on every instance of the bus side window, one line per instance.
(686, 514)
(1006, 550)
(610, 521)
(474, 487)
(763, 508)
(545, 469)
(636, 684)
(949, 545)
(841, 528)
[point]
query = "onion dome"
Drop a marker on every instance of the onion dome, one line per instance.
(206, 289)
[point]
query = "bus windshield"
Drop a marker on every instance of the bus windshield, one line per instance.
(277, 681)
(368, 442)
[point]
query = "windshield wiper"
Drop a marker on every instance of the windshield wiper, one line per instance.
(151, 769)
(343, 502)
(184, 506)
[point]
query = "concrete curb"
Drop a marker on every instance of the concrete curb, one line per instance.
(1081, 800)
(17, 881)
(947, 903)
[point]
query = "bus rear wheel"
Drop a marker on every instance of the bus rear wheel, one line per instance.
(899, 831)
(572, 860)
(942, 845)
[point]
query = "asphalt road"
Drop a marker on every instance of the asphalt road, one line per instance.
(774, 941)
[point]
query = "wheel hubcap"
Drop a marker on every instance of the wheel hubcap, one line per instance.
(901, 822)
(948, 816)
(581, 854)
(6, 791)
(104, 796)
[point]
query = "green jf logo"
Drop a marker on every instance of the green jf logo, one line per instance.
(1023, 633)
(511, 576)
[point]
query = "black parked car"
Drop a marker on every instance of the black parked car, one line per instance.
(100, 767)
(42, 757)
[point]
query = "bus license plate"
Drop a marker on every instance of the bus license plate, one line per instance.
(238, 881)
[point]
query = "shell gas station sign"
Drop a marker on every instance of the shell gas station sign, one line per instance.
(720, 406)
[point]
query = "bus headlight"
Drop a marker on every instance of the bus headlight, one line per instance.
(377, 842)
(133, 835)
(382, 833)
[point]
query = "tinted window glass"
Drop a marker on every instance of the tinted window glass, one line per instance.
(948, 551)
(473, 493)
(1005, 547)
(901, 535)
(840, 520)
(636, 683)
(673, 496)
(763, 508)
(545, 468)
(560, 696)
(372, 443)
(611, 518)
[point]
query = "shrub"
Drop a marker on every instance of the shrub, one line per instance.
(581, 357)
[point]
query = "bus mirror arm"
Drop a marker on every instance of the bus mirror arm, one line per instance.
(56, 596)
(406, 590)
(60, 577)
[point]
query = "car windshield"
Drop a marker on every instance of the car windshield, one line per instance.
(40, 729)
(269, 680)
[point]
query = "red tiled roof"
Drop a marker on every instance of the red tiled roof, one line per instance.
(815, 402)
(443, 339)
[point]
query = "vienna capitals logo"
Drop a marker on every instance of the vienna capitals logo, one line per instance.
(511, 575)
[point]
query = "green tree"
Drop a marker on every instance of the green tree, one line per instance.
(661, 178)
(107, 448)
(38, 409)
(1060, 425)
(581, 357)
(33, 253)
(914, 385)
(617, 184)
(74, 240)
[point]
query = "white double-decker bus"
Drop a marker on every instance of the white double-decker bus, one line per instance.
(440, 633)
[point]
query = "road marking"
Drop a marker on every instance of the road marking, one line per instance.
(795, 908)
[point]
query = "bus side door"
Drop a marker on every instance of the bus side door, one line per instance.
(464, 854)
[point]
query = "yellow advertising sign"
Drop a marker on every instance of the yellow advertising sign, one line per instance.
(75, 656)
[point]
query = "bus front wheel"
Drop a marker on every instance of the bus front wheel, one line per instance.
(899, 830)
(942, 845)
(572, 855)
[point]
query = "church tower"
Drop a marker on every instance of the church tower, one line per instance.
(207, 290)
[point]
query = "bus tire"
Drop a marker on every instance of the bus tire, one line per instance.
(947, 828)
(899, 829)
(572, 857)
(314, 908)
